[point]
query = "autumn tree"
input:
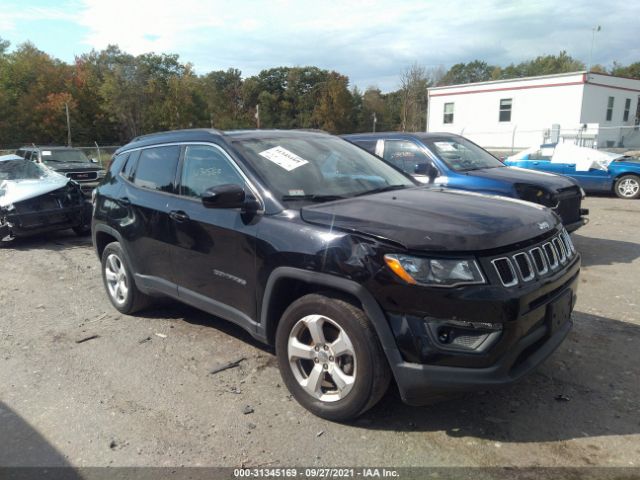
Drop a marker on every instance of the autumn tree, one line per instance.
(413, 91)
(333, 107)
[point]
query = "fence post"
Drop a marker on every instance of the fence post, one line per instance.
(99, 156)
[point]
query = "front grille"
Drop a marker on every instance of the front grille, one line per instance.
(82, 176)
(569, 205)
(523, 267)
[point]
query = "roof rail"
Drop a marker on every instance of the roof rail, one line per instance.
(166, 132)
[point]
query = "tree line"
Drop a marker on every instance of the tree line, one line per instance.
(113, 96)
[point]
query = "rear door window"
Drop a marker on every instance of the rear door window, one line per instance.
(404, 155)
(156, 168)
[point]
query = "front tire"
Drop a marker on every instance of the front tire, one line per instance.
(119, 282)
(628, 187)
(330, 357)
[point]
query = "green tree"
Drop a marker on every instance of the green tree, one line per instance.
(476, 71)
(333, 108)
(630, 71)
(543, 65)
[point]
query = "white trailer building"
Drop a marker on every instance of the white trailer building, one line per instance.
(590, 109)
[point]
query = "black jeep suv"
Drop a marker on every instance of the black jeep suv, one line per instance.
(354, 272)
(68, 161)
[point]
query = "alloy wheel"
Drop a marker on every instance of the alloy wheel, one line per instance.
(322, 358)
(628, 187)
(117, 280)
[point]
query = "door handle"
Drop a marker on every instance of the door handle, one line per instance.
(125, 202)
(178, 216)
(536, 163)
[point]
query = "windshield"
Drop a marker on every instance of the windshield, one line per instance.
(21, 170)
(64, 156)
(462, 155)
(318, 168)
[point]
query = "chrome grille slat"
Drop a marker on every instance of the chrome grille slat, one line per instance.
(525, 276)
(82, 176)
(558, 245)
(541, 270)
(552, 256)
(506, 281)
(525, 266)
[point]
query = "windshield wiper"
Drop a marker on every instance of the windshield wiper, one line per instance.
(312, 198)
(388, 188)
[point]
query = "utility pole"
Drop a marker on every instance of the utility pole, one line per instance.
(257, 115)
(375, 120)
(66, 107)
(595, 29)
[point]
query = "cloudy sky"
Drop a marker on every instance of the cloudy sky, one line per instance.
(370, 41)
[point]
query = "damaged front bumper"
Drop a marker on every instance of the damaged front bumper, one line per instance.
(33, 223)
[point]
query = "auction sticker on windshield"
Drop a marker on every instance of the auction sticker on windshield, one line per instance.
(284, 158)
(445, 146)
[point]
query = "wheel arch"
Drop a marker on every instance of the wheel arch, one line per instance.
(103, 237)
(287, 284)
(624, 174)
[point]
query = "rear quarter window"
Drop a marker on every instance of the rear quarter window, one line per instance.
(368, 145)
(117, 163)
(156, 168)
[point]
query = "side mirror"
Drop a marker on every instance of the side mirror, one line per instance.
(93, 160)
(224, 196)
(426, 169)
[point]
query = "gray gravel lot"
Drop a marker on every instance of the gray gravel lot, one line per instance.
(141, 392)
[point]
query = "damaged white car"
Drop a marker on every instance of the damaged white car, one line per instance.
(35, 199)
(594, 170)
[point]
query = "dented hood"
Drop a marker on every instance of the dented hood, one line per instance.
(13, 191)
(434, 219)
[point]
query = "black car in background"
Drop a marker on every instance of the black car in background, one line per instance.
(455, 162)
(351, 269)
(70, 162)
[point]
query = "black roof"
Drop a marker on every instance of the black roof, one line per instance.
(209, 134)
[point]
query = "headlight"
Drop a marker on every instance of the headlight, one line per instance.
(434, 272)
(102, 174)
(535, 194)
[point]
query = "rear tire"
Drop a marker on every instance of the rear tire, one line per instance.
(330, 357)
(627, 187)
(119, 281)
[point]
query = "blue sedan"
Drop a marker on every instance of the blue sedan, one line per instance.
(595, 171)
(452, 161)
